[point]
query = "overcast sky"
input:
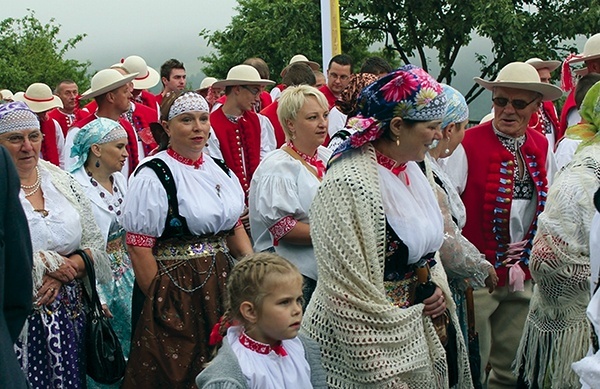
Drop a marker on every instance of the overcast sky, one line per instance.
(161, 29)
(153, 29)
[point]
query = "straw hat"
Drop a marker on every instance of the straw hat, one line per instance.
(300, 58)
(105, 81)
(39, 98)
(207, 82)
(591, 50)
(242, 75)
(6, 94)
(520, 75)
(540, 64)
(147, 77)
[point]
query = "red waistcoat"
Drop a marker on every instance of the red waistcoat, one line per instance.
(235, 137)
(564, 113)
(271, 113)
(65, 120)
(489, 192)
(536, 121)
(331, 99)
(49, 148)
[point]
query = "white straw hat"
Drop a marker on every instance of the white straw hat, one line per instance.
(105, 81)
(242, 75)
(591, 50)
(520, 75)
(300, 58)
(39, 98)
(6, 94)
(207, 82)
(147, 77)
(541, 64)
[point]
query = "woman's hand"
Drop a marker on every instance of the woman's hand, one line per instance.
(48, 291)
(435, 305)
(107, 311)
(492, 279)
(65, 273)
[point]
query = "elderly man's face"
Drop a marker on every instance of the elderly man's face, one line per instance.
(508, 119)
(545, 75)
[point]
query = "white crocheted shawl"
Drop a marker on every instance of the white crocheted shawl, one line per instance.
(557, 332)
(45, 261)
(365, 341)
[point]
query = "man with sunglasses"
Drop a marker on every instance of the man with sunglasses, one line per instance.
(241, 137)
(503, 178)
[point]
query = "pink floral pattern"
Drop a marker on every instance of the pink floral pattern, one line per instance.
(261, 348)
(139, 240)
(400, 87)
(281, 228)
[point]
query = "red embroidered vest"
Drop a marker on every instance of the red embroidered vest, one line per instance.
(489, 192)
(564, 113)
(65, 120)
(271, 113)
(49, 148)
(537, 123)
(331, 99)
(235, 138)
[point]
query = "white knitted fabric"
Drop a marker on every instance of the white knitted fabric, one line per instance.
(557, 332)
(91, 238)
(365, 341)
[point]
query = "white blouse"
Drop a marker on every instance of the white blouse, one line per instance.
(412, 210)
(209, 199)
(271, 371)
(105, 218)
(60, 230)
(283, 187)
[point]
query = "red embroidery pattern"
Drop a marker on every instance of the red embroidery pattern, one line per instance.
(139, 240)
(186, 161)
(282, 227)
(392, 166)
(261, 348)
(313, 161)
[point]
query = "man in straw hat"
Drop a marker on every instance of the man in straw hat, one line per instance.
(40, 100)
(147, 78)
(243, 137)
(569, 115)
(298, 58)
(68, 92)
(545, 120)
(111, 91)
(505, 163)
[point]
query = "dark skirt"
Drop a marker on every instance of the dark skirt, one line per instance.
(170, 343)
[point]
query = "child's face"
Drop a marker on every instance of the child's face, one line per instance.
(281, 311)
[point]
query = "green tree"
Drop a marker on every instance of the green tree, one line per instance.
(32, 52)
(518, 29)
(275, 30)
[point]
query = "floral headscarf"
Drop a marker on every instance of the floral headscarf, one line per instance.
(408, 92)
(588, 132)
(457, 110)
(348, 102)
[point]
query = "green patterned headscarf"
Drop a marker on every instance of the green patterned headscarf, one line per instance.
(588, 131)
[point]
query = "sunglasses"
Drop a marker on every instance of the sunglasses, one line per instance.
(254, 91)
(517, 104)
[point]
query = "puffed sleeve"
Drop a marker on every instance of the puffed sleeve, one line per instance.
(275, 204)
(145, 206)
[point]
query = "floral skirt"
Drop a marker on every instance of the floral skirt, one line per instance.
(170, 343)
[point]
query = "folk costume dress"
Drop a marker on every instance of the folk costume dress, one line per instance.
(244, 363)
(51, 345)
(186, 225)
(281, 193)
(107, 212)
(371, 221)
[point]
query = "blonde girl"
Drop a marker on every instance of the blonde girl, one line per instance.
(262, 347)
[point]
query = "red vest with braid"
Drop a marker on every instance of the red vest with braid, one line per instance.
(65, 120)
(537, 123)
(49, 148)
(489, 191)
(235, 138)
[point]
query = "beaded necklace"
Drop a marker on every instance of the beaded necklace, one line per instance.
(36, 185)
(114, 200)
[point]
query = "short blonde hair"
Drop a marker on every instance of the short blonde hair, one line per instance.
(293, 99)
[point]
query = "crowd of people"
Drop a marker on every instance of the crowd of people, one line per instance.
(326, 231)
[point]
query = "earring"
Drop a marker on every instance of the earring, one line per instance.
(398, 141)
(97, 163)
(447, 151)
